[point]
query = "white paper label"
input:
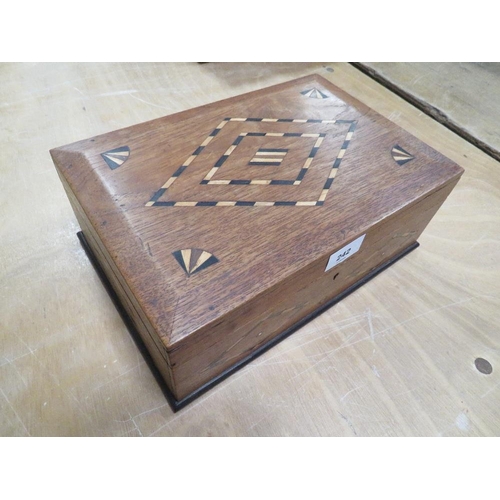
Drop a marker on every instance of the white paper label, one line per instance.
(344, 253)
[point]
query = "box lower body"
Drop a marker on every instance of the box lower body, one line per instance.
(209, 355)
(177, 404)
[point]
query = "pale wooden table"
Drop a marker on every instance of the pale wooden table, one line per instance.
(464, 96)
(394, 358)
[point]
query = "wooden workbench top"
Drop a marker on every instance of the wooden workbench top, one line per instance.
(397, 357)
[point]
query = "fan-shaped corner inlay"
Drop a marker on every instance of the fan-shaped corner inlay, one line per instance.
(193, 260)
(401, 156)
(116, 157)
(314, 93)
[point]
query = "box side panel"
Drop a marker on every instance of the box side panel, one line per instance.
(207, 353)
(91, 193)
(150, 339)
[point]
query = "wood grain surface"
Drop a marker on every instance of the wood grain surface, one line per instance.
(462, 96)
(397, 357)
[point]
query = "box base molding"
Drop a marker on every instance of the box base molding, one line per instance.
(178, 404)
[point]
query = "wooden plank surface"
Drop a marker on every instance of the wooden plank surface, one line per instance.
(397, 357)
(463, 96)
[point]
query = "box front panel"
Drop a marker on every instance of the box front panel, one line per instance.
(209, 352)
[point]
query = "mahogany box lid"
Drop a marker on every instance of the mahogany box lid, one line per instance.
(203, 210)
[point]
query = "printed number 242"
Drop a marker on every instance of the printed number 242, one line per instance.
(342, 255)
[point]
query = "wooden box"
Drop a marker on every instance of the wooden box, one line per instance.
(223, 228)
